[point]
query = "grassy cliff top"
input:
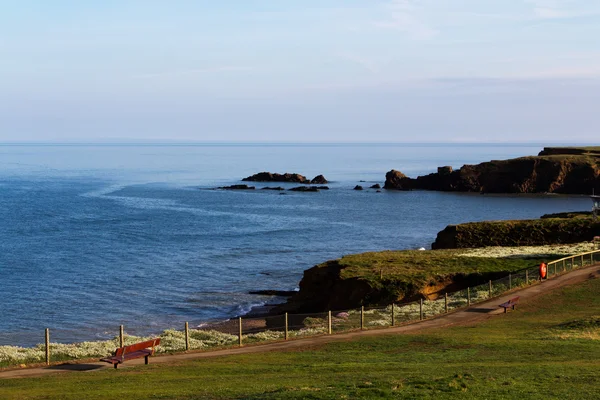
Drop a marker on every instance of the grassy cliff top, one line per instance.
(415, 265)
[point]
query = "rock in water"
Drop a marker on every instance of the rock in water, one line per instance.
(237, 187)
(270, 177)
(358, 187)
(305, 189)
(396, 180)
(319, 180)
(376, 186)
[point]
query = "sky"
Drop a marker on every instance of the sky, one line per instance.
(300, 70)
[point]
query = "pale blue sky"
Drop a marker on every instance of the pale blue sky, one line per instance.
(300, 70)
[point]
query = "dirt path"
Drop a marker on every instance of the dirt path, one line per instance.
(470, 315)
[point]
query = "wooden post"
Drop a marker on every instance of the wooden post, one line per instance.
(393, 316)
(527, 277)
(240, 334)
(187, 336)
(421, 310)
(490, 288)
(554, 268)
(582, 260)
(564, 265)
(468, 296)
(362, 317)
(509, 281)
(121, 336)
(446, 302)
(47, 346)
(329, 331)
(286, 326)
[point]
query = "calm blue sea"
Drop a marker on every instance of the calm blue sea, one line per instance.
(94, 236)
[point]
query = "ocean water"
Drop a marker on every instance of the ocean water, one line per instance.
(94, 236)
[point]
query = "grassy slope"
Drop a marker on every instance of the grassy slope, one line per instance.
(517, 355)
(422, 266)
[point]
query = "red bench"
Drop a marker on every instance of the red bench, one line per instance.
(138, 350)
(511, 303)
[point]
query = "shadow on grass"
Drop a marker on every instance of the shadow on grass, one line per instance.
(480, 310)
(77, 367)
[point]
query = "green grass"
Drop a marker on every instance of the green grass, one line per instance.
(423, 267)
(517, 355)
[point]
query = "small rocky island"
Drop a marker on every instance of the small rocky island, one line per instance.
(287, 177)
(565, 170)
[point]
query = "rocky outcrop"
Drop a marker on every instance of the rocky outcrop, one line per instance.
(270, 177)
(396, 180)
(287, 177)
(278, 188)
(319, 180)
(566, 171)
(309, 188)
(358, 187)
(376, 186)
(575, 228)
(237, 187)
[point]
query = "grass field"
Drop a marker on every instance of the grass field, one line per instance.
(548, 348)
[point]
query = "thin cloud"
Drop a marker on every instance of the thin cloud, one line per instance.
(193, 71)
(365, 63)
(557, 9)
(404, 16)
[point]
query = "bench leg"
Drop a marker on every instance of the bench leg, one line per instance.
(504, 310)
(146, 359)
(514, 306)
(116, 364)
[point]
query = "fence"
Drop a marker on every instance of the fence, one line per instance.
(245, 331)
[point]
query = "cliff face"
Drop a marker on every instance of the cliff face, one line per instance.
(540, 232)
(555, 170)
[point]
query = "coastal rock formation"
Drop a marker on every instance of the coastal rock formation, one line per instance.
(319, 180)
(554, 170)
(550, 229)
(396, 180)
(238, 187)
(279, 188)
(270, 177)
(358, 187)
(305, 189)
(376, 186)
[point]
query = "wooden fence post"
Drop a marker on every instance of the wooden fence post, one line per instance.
(240, 333)
(421, 310)
(446, 302)
(362, 317)
(468, 296)
(527, 277)
(582, 260)
(393, 316)
(509, 281)
(187, 336)
(47, 346)
(490, 289)
(329, 331)
(121, 336)
(286, 326)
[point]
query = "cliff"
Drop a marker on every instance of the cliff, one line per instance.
(550, 229)
(381, 278)
(569, 170)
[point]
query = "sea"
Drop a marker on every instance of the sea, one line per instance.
(95, 235)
